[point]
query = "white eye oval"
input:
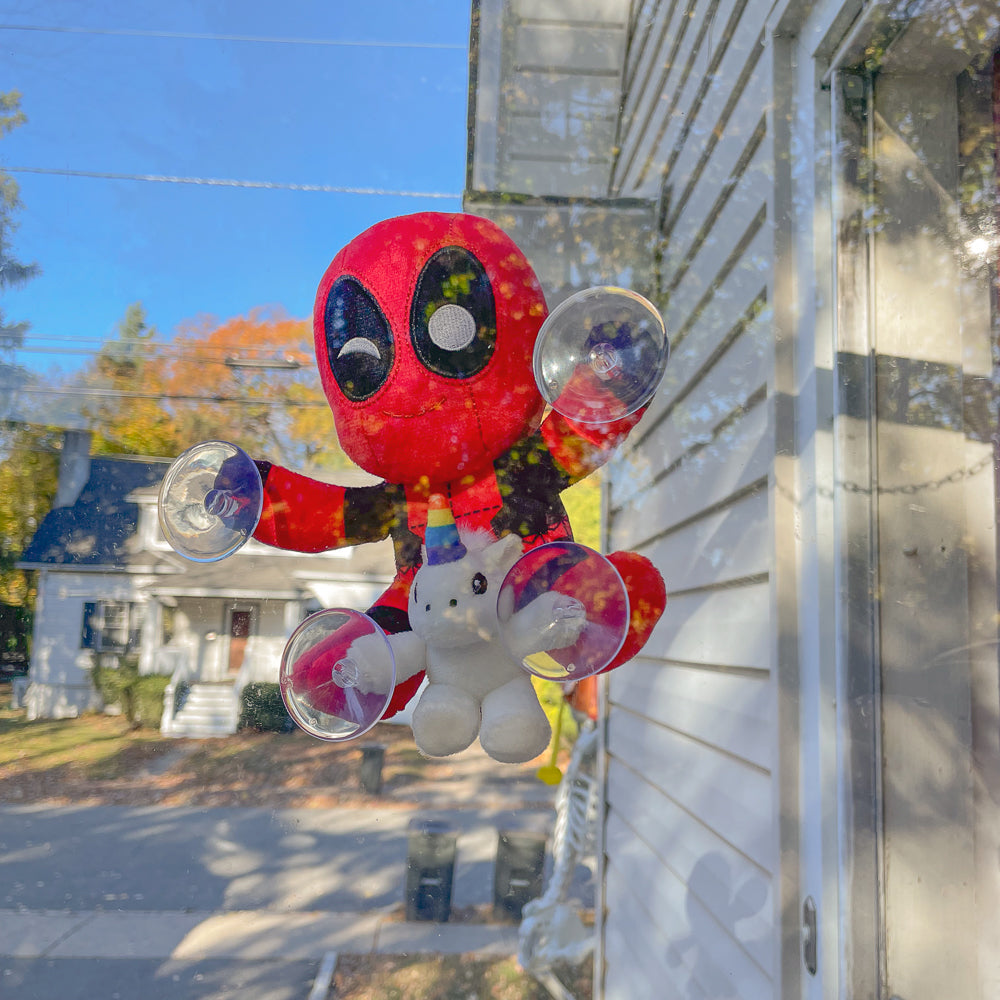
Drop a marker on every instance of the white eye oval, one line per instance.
(359, 345)
(451, 327)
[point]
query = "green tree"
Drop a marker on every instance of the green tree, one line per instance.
(29, 472)
(13, 272)
(129, 416)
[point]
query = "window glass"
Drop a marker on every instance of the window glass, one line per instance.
(273, 364)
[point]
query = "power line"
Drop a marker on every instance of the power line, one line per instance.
(180, 397)
(196, 36)
(223, 356)
(230, 182)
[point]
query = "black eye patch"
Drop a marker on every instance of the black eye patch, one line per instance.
(479, 584)
(453, 321)
(359, 344)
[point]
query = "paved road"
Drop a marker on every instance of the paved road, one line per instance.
(207, 903)
(158, 858)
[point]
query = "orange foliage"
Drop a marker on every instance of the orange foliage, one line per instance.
(251, 380)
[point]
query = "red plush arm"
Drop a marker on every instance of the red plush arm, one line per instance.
(304, 515)
(580, 449)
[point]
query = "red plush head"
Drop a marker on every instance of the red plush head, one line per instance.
(424, 328)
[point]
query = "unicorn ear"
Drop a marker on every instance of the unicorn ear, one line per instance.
(503, 552)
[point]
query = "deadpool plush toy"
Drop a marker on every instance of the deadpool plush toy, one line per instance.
(424, 328)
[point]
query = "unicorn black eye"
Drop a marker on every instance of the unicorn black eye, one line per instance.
(479, 584)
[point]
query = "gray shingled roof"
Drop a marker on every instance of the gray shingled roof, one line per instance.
(95, 529)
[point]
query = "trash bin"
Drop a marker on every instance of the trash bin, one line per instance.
(517, 876)
(372, 758)
(430, 869)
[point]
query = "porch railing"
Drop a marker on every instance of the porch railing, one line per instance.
(180, 664)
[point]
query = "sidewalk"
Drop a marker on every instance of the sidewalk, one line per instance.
(243, 935)
(248, 877)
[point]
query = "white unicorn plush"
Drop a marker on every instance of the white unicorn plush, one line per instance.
(476, 687)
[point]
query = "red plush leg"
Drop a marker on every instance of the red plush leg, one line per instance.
(647, 596)
(401, 695)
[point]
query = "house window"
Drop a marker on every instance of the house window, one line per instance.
(112, 626)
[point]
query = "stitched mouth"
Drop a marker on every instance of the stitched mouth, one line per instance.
(416, 413)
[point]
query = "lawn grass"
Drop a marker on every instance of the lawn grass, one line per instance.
(98, 758)
(92, 746)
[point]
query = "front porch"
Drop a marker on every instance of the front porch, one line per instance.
(211, 648)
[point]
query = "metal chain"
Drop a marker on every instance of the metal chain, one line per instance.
(959, 475)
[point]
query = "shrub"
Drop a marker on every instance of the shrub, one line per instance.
(140, 696)
(261, 708)
(147, 700)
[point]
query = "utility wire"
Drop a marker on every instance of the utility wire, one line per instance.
(221, 357)
(181, 397)
(146, 33)
(230, 182)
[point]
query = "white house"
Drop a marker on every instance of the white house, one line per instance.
(802, 770)
(109, 583)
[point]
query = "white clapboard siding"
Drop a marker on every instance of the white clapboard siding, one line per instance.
(657, 56)
(696, 57)
(712, 110)
(687, 936)
(642, 964)
(648, 19)
(732, 711)
(730, 544)
(560, 95)
(741, 172)
(541, 136)
(727, 307)
(706, 167)
(729, 250)
(668, 71)
(560, 45)
(597, 12)
(663, 77)
(714, 871)
(716, 628)
(691, 838)
(735, 461)
(710, 403)
(544, 92)
(697, 939)
(726, 794)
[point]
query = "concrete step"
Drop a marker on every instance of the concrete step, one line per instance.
(207, 711)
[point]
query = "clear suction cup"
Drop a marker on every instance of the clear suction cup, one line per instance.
(564, 611)
(210, 501)
(600, 355)
(337, 674)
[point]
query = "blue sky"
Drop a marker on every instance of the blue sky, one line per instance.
(139, 101)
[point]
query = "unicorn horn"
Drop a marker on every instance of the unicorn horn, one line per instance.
(441, 536)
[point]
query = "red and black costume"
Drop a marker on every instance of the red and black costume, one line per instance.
(424, 328)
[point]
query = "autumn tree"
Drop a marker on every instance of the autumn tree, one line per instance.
(128, 415)
(251, 380)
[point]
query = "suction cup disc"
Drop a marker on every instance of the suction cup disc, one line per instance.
(600, 355)
(564, 611)
(210, 501)
(337, 674)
